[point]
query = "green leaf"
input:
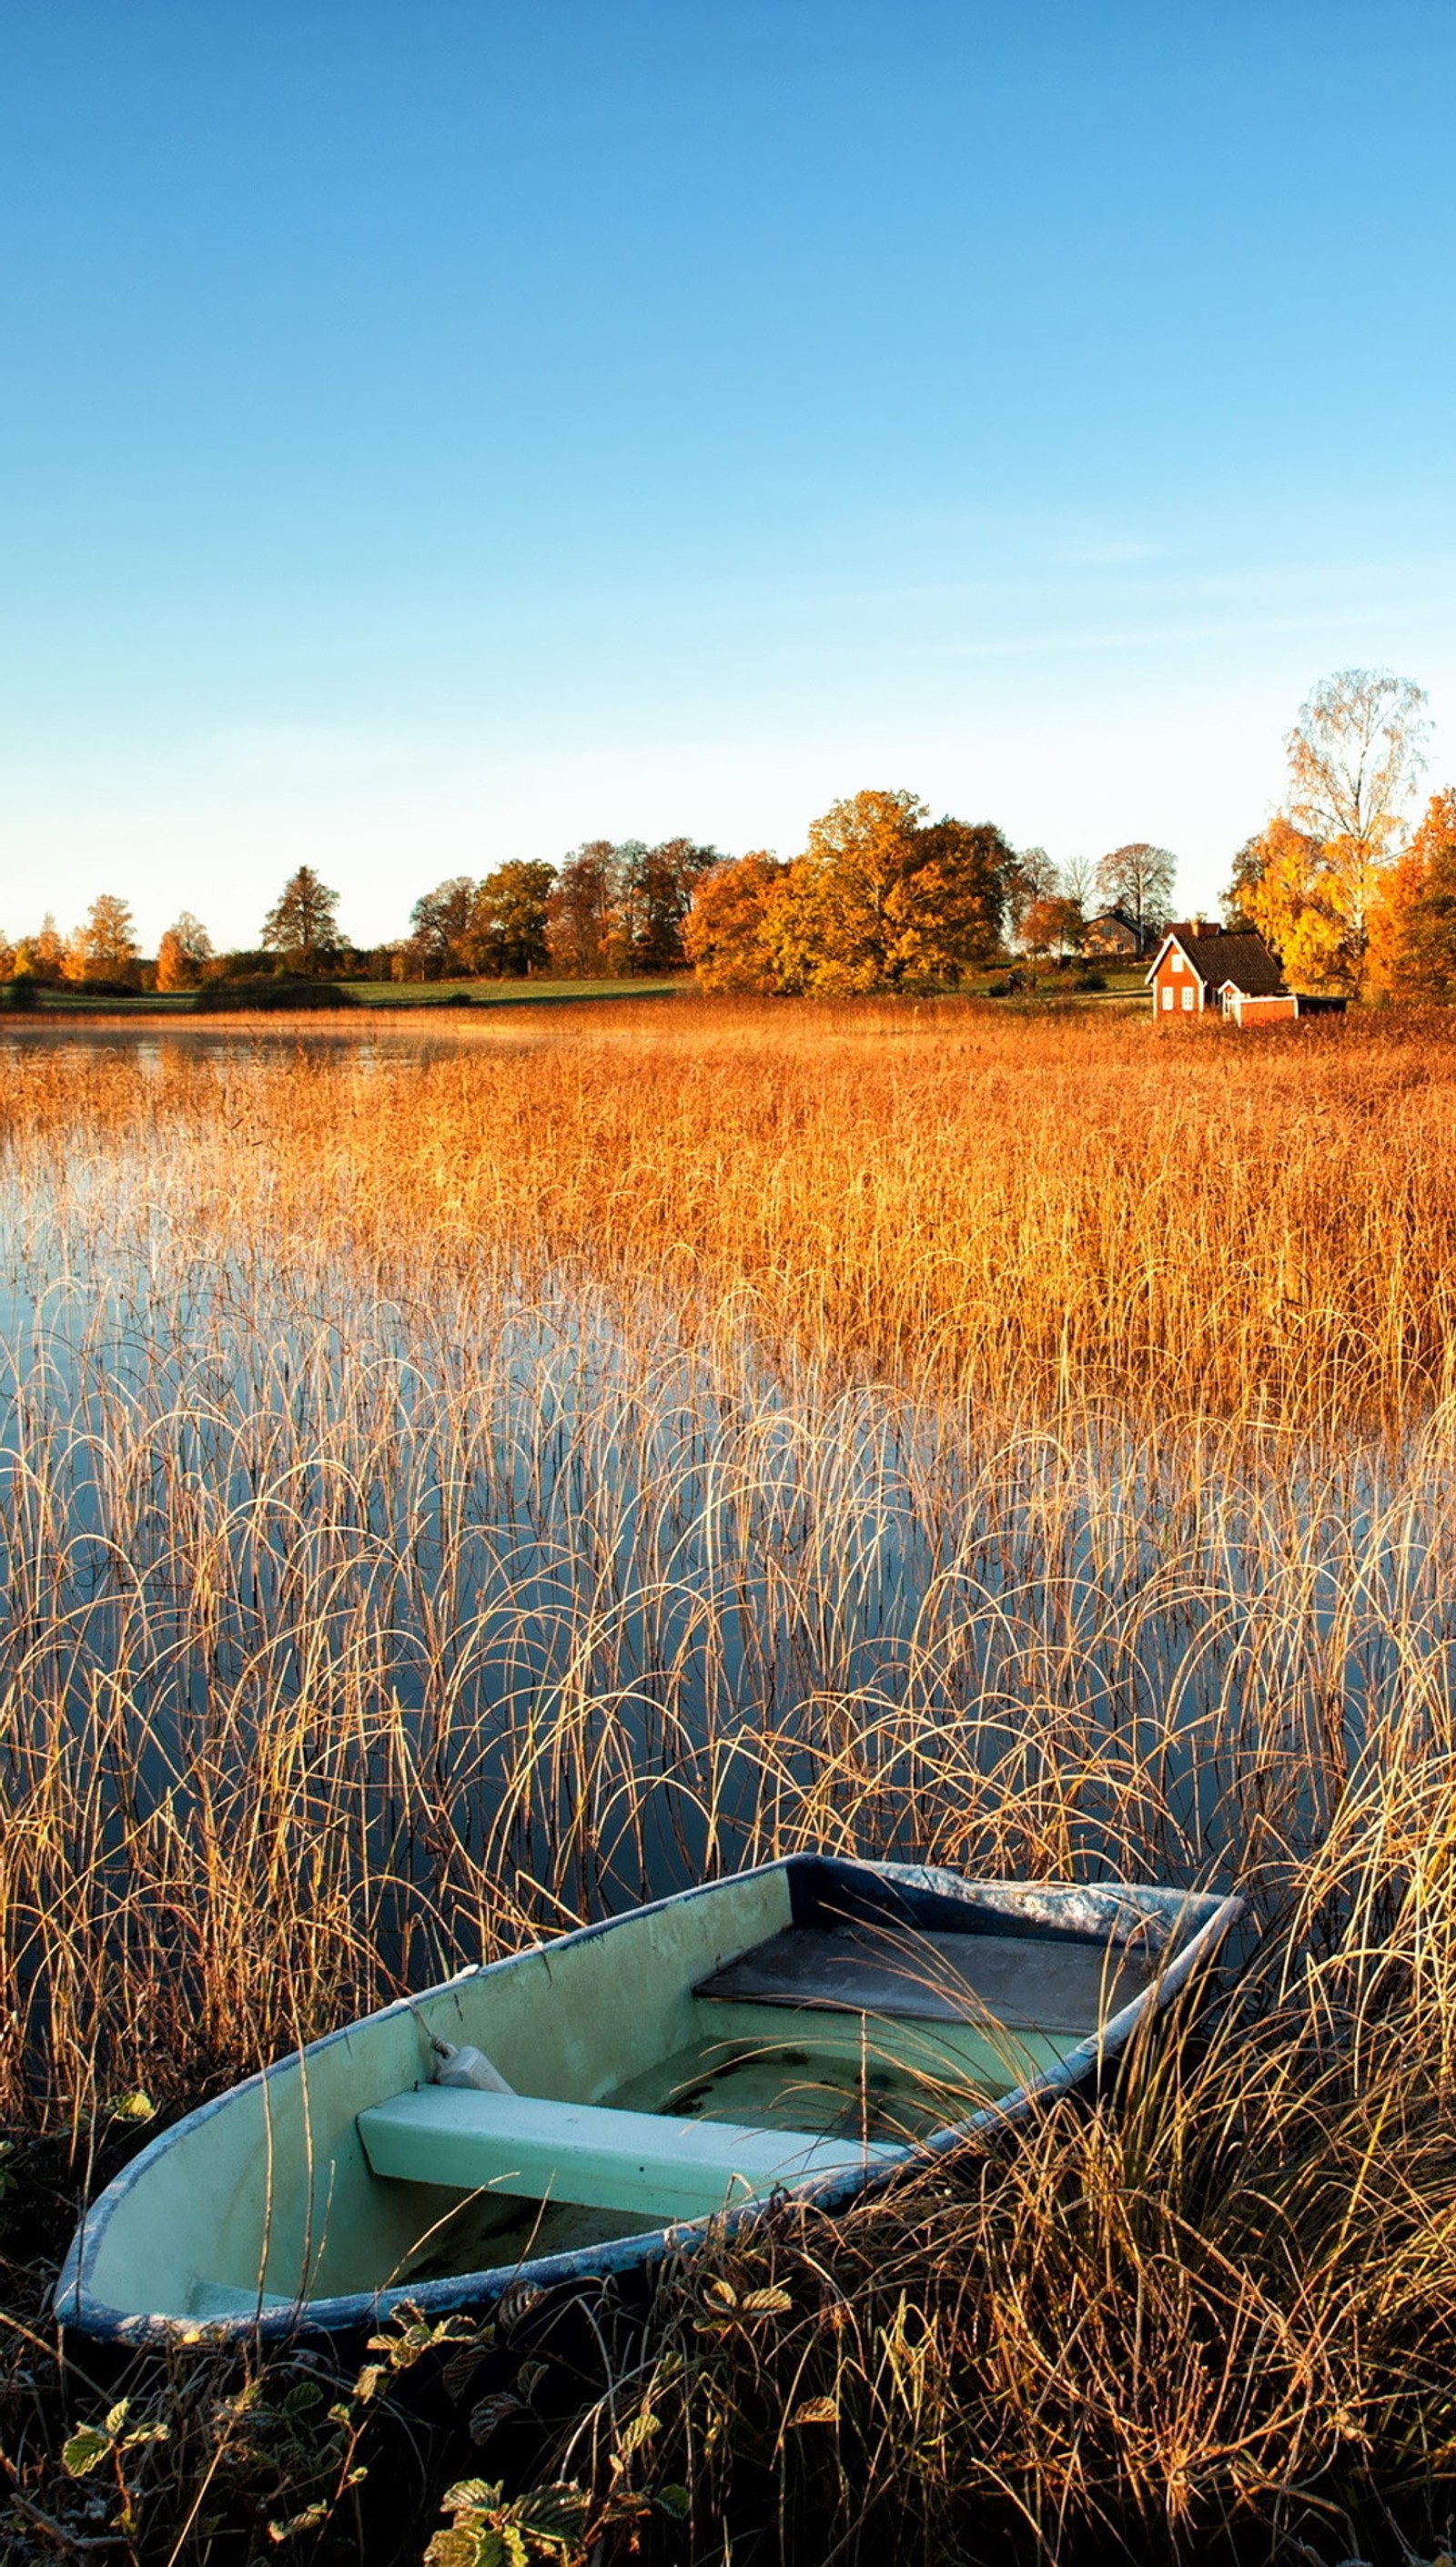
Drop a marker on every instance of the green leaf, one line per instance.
(471, 2544)
(134, 2107)
(554, 2512)
(640, 2431)
(309, 2521)
(471, 2491)
(117, 2416)
(492, 2412)
(455, 2548)
(88, 2445)
(676, 2501)
(816, 2410)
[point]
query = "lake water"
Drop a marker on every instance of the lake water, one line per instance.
(578, 1608)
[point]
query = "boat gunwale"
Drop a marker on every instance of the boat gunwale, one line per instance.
(79, 2312)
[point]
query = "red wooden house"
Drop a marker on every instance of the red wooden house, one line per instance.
(1199, 970)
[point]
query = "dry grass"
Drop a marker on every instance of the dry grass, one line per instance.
(451, 1489)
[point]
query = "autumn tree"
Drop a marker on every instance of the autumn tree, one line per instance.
(1312, 882)
(507, 931)
(1354, 755)
(1288, 889)
(1412, 919)
(1054, 925)
(1138, 880)
(654, 887)
(1247, 869)
(1047, 901)
(303, 925)
(105, 947)
(1034, 876)
(884, 898)
(440, 921)
(183, 952)
(41, 956)
(584, 931)
(723, 935)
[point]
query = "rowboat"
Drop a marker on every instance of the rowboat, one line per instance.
(813, 2026)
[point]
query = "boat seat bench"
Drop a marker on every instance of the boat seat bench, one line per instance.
(592, 2155)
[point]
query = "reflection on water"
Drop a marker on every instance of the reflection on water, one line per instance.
(154, 1047)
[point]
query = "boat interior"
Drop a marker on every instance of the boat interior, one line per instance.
(837, 2041)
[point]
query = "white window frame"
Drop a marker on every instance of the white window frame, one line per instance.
(1188, 998)
(1167, 999)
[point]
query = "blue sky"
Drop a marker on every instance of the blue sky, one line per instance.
(438, 432)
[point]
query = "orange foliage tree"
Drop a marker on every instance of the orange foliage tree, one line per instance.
(183, 952)
(1412, 928)
(1054, 925)
(1318, 882)
(105, 948)
(1288, 886)
(884, 898)
(723, 935)
(46, 951)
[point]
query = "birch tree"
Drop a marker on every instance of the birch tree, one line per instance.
(1356, 754)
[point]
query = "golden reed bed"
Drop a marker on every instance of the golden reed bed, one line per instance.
(452, 1484)
(950, 1196)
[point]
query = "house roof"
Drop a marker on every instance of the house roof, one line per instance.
(1242, 960)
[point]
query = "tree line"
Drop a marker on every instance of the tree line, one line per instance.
(886, 898)
(606, 911)
(883, 898)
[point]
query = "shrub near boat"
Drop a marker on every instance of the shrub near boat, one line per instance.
(812, 2026)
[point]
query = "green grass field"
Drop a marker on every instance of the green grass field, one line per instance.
(506, 994)
(369, 993)
(1050, 989)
